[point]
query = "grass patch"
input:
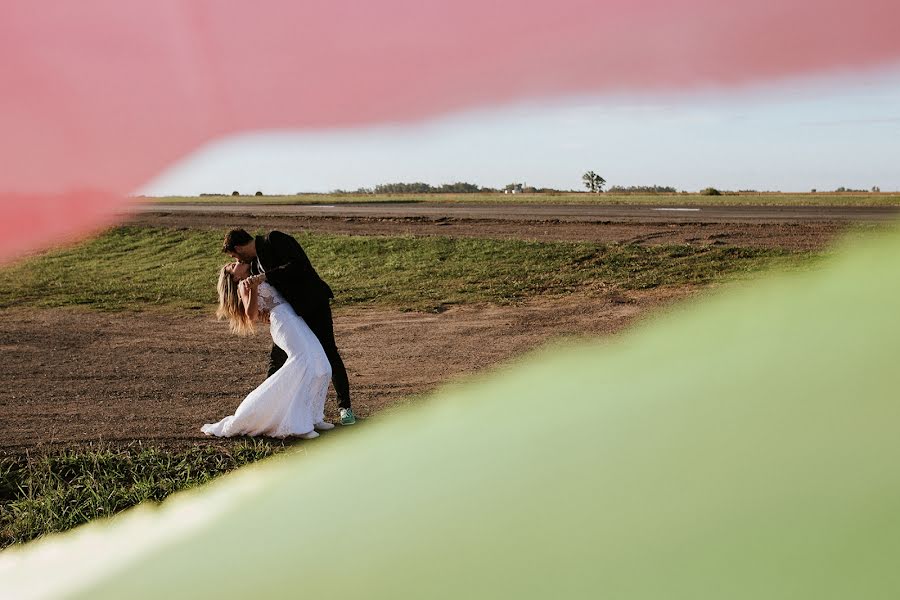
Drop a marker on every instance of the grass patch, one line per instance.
(693, 199)
(132, 268)
(55, 492)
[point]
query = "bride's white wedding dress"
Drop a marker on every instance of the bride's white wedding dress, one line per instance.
(292, 400)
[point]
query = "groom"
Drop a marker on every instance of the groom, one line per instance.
(279, 259)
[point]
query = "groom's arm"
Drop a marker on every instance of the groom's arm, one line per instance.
(293, 262)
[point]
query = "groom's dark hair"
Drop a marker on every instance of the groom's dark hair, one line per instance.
(235, 237)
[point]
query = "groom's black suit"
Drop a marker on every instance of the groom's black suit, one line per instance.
(289, 271)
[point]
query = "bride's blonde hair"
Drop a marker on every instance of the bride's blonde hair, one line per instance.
(230, 306)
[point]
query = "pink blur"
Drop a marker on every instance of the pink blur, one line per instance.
(103, 94)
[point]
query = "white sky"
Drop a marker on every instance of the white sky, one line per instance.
(793, 136)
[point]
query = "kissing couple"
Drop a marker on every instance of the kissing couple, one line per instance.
(271, 279)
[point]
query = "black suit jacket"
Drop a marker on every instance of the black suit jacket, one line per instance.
(289, 271)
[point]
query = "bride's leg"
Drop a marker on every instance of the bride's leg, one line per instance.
(277, 357)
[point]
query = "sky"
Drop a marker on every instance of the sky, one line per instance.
(818, 132)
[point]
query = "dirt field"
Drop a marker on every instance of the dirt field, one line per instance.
(792, 235)
(77, 376)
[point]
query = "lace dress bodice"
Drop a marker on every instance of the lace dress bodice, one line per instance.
(269, 298)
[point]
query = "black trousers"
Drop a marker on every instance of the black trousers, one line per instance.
(318, 317)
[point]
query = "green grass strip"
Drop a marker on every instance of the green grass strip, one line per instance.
(133, 268)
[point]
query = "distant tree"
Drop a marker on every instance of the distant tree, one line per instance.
(235, 193)
(641, 189)
(514, 188)
(459, 187)
(812, 191)
(418, 187)
(593, 182)
(876, 189)
(710, 191)
(258, 193)
(404, 188)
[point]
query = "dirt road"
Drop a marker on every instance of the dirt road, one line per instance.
(588, 213)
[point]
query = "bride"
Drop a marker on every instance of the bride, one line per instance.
(291, 402)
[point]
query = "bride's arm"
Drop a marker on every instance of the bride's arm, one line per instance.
(249, 292)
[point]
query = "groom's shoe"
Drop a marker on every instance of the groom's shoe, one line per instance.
(324, 426)
(347, 416)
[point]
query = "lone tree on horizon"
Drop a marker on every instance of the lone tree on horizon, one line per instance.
(593, 182)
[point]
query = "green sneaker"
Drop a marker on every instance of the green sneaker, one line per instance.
(347, 416)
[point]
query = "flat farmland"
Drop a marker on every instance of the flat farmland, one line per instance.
(125, 320)
(111, 346)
